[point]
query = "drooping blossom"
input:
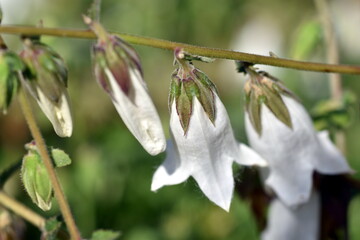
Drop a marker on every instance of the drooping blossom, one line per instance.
(118, 71)
(302, 223)
(281, 131)
(202, 141)
(46, 79)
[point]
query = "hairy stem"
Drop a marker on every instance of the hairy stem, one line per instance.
(192, 49)
(40, 143)
(332, 52)
(22, 211)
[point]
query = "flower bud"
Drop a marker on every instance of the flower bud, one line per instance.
(36, 180)
(118, 71)
(46, 79)
(261, 89)
(10, 64)
(188, 82)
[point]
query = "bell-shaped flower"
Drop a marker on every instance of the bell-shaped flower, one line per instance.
(302, 223)
(10, 66)
(281, 131)
(118, 71)
(203, 144)
(46, 79)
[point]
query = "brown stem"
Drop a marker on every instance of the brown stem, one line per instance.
(336, 88)
(40, 143)
(22, 210)
(191, 49)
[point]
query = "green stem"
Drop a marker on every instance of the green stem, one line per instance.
(191, 49)
(40, 143)
(22, 211)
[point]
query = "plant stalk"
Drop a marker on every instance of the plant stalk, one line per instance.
(191, 49)
(22, 211)
(332, 52)
(40, 143)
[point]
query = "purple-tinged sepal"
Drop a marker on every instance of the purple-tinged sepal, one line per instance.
(46, 79)
(263, 89)
(118, 71)
(187, 83)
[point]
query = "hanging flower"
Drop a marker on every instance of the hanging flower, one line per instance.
(46, 80)
(118, 70)
(302, 223)
(281, 131)
(203, 145)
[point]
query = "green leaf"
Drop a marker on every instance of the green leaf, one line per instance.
(60, 157)
(308, 37)
(52, 227)
(105, 235)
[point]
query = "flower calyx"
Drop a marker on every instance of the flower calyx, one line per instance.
(262, 88)
(113, 56)
(36, 179)
(188, 82)
(10, 65)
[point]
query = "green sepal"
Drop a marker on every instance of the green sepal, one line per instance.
(277, 106)
(174, 91)
(105, 235)
(184, 106)
(207, 101)
(36, 180)
(254, 111)
(204, 79)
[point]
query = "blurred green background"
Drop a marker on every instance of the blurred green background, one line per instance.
(108, 184)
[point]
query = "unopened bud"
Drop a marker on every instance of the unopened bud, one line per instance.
(36, 180)
(118, 71)
(46, 79)
(10, 65)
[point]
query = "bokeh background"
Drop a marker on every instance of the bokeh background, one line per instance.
(108, 184)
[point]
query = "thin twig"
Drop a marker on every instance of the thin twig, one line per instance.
(332, 52)
(22, 211)
(40, 143)
(192, 49)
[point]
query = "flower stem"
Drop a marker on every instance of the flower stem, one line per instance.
(40, 143)
(191, 49)
(332, 52)
(22, 211)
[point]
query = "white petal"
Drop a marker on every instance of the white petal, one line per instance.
(59, 114)
(206, 153)
(293, 224)
(170, 172)
(250, 157)
(331, 161)
(139, 116)
(293, 154)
